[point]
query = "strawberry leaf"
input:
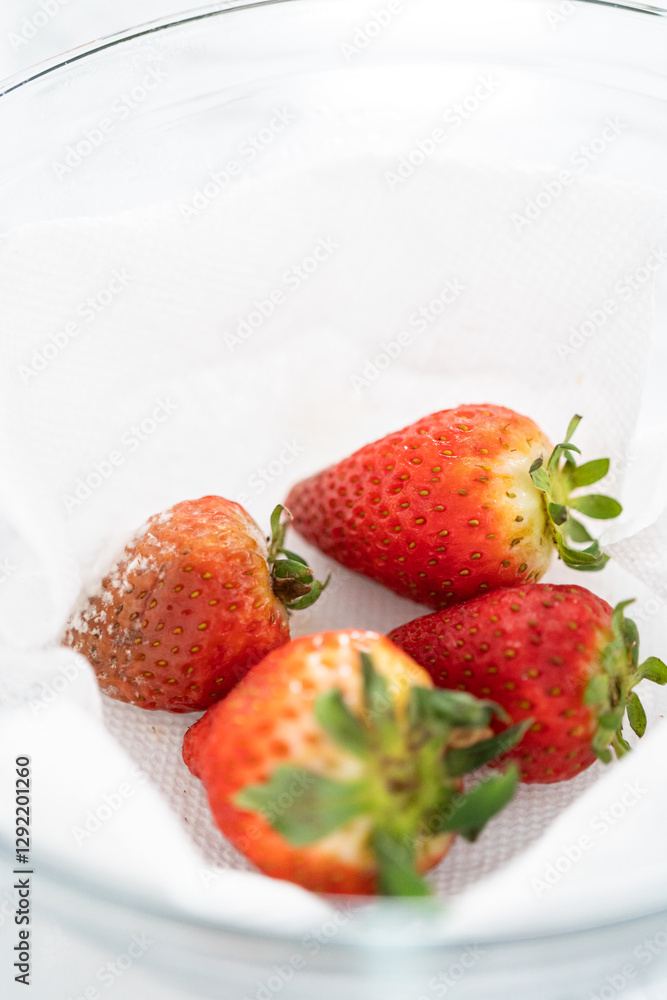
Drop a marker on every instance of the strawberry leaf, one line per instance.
(556, 481)
(377, 698)
(294, 557)
(303, 806)
(597, 690)
(572, 426)
(631, 639)
(625, 631)
(557, 512)
(472, 811)
(340, 723)
(540, 478)
(462, 760)
(576, 531)
(653, 669)
(612, 693)
(591, 568)
(564, 447)
(612, 719)
(278, 530)
(636, 715)
(292, 580)
(596, 505)
(620, 745)
(314, 591)
(588, 473)
(284, 568)
(618, 617)
(582, 559)
(395, 858)
(439, 709)
(600, 746)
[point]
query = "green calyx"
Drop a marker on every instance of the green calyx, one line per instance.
(292, 579)
(611, 692)
(408, 785)
(557, 481)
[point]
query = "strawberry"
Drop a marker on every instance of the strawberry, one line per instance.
(195, 600)
(337, 765)
(457, 504)
(557, 655)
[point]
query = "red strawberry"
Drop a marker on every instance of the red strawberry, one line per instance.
(558, 655)
(457, 504)
(194, 602)
(325, 766)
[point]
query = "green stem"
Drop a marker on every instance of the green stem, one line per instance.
(292, 580)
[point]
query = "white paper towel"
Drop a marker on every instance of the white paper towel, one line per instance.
(234, 349)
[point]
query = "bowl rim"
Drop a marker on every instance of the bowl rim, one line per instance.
(41, 69)
(130, 899)
(138, 902)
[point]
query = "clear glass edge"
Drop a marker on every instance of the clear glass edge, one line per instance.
(69, 879)
(39, 70)
(52, 65)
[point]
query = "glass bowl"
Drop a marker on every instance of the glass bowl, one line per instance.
(165, 113)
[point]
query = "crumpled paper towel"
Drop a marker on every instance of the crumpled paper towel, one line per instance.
(92, 803)
(238, 347)
(575, 865)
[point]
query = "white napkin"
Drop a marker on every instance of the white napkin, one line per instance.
(93, 805)
(168, 354)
